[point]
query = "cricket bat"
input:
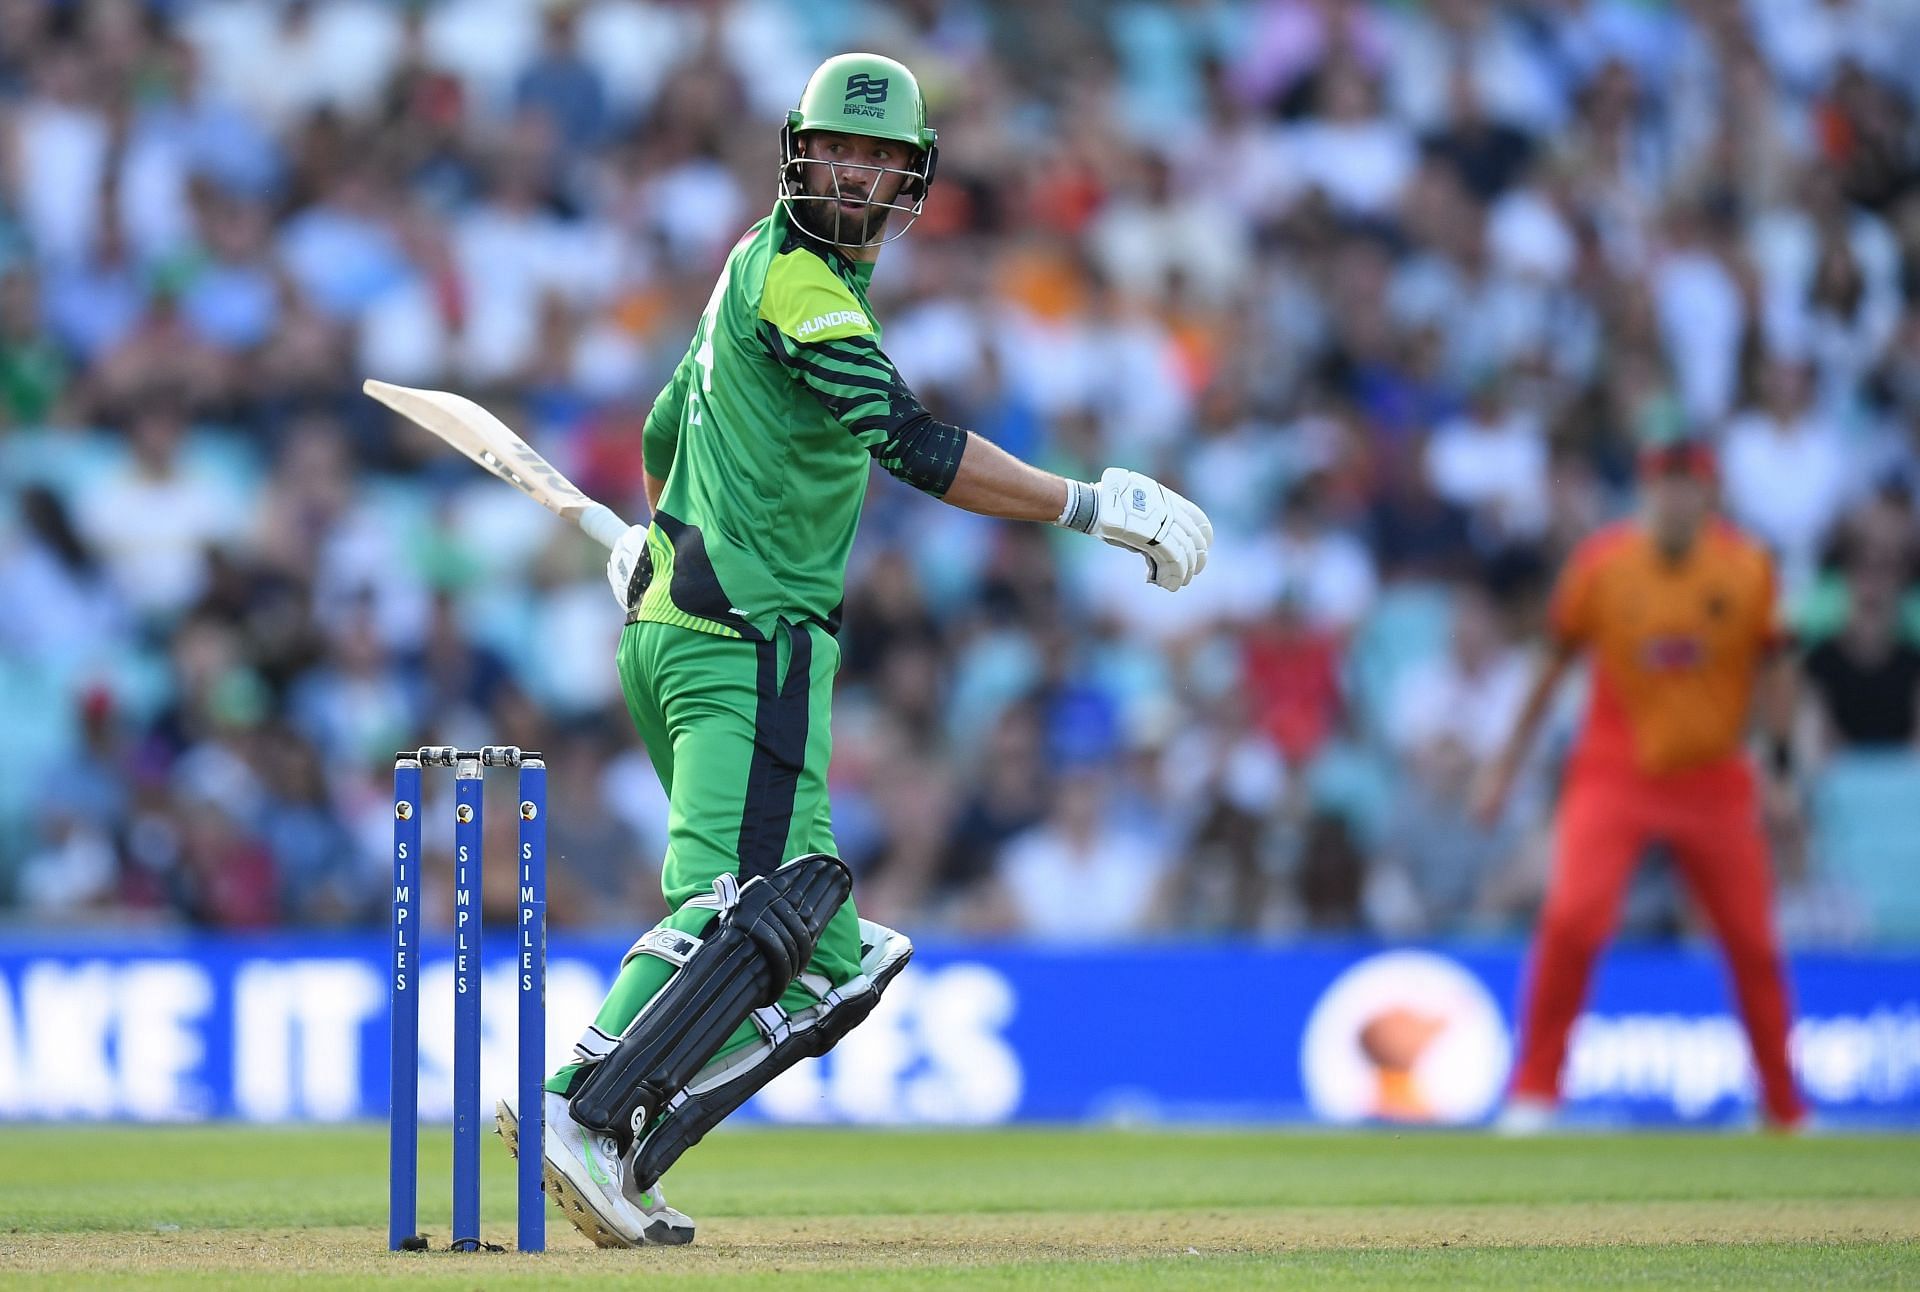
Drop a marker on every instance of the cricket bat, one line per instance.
(486, 440)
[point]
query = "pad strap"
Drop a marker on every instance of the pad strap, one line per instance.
(724, 897)
(671, 945)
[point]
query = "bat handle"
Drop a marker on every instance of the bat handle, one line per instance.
(602, 525)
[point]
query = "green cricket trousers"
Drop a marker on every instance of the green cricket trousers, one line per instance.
(739, 736)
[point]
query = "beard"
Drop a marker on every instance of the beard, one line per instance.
(823, 218)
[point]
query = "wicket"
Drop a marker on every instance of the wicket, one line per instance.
(404, 988)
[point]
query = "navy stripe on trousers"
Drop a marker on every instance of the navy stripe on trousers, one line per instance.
(779, 752)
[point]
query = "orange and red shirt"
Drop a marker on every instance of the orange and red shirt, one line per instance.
(1676, 647)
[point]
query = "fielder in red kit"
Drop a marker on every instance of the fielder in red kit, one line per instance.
(1676, 611)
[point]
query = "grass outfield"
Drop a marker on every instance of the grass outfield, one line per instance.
(116, 1207)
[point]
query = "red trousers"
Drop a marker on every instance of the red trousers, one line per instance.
(1712, 825)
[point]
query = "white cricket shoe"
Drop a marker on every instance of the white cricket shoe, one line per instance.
(1524, 1117)
(582, 1176)
(665, 1226)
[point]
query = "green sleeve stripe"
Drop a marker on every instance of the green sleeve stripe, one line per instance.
(877, 376)
(867, 365)
(859, 350)
(856, 363)
(873, 365)
(856, 414)
(824, 371)
(813, 359)
(862, 423)
(817, 372)
(874, 368)
(827, 371)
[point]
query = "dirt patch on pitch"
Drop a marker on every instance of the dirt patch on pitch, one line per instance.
(765, 1244)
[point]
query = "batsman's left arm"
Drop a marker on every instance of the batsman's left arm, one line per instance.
(992, 482)
(1123, 508)
(853, 379)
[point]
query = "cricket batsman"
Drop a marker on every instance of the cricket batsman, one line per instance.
(1676, 609)
(756, 458)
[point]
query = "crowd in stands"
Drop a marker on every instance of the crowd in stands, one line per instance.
(1392, 289)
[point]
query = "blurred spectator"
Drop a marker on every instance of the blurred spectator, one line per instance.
(1866, 678)
(1413, 530)
(1487, 154)
(1233, 783)
(225, 874)
(461, 678)
(1011, 798)
(164, 349)
(302, 832)
(1291, 39)
(341, 251)
(1437, 862)
(355, 703)
(34, 372)
(1324, 573)
(1492, 463)
(232, 295)
(153, 519)
(60, 143)
(96, 298)
(51, 568)
(1077, 877)
(1467, 699)
(884, 614)
(1330, 877)
(1151, 234)
(76, 868)
(1487, 43)
(82, 808)
(1786, 469)
(1349, 150)
(1703, 315)
(610, 874)
(1290, 680)
(562, 86)
(281, 61)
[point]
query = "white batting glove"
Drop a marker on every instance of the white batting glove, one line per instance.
(1142, 515)
(630, 567)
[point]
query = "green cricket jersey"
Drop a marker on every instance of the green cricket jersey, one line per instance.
(763, 437)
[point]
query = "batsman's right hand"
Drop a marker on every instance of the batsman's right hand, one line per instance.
(630, 567)
(1142, 515)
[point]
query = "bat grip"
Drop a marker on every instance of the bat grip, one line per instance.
(601, 525)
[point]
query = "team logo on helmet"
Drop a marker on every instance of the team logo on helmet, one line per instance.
(869, 89)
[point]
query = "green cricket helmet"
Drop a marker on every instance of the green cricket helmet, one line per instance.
(859, 94)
